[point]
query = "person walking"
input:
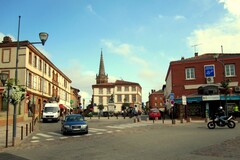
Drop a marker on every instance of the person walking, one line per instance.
(235, 111)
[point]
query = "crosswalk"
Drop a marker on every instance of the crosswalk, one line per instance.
(51, 136)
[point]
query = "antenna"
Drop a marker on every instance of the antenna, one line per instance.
(195, 47)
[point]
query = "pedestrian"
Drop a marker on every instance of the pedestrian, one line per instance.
(235, 111)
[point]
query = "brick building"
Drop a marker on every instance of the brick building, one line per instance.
(156, 99)
(199, 79)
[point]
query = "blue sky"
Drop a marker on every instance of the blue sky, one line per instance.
(139, 38)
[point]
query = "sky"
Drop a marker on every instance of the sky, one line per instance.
(138, 38)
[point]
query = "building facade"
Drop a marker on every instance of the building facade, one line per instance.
(43, 81)
(156, 99)
(196, 84)
(112, 95)
(75, 98)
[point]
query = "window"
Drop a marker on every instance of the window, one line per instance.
(49, 71)
(101, 100)
(134, 99)
(127, 98)
(119, 98)
(6, 56)
(100, 91)
(108, 91)
(119, 88)
(30, 58)
(155, 98)
(134, 88)
(230, 70)
(190, 73)
(45, 68)
(40, 64)
(35, 61)
(126, 89)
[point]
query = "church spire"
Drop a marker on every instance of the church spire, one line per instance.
(101, 77)
(101, 66)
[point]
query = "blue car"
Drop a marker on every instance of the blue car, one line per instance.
(74, 123)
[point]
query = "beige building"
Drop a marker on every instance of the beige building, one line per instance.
(121, 91)
(44, 82)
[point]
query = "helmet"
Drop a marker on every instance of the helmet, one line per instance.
(220, 108)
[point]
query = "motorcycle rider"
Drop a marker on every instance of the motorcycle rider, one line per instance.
(221, 114)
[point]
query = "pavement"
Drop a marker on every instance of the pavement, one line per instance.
(22, 132)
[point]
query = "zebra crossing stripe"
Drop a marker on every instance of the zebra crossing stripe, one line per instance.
(34, 137)
(54, 133)
(44, 135)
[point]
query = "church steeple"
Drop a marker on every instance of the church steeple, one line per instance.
(101, 77)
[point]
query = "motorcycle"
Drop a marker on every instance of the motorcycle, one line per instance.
(216, 121)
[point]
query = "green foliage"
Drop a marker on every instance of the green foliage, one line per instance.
(225, 84)
(100, 107)
(16, 93)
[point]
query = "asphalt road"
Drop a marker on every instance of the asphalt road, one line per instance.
(122, 139)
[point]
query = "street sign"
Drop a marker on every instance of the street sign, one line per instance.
(184, 100)
(209, 71)
(172, 99)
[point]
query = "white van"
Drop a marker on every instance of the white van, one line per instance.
(51, 112)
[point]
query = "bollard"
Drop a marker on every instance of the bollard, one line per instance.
(30, 128)
(26, 129)
(134, 120)
(163, 120)
(181, 120)
(188, 119)
(147, 119)
(21, 132)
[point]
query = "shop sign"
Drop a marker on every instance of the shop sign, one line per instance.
(211, 97)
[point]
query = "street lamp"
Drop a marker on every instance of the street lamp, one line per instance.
(224, 80)
(3, 78)
(43, 37)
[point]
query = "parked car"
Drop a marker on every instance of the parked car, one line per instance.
(74, 123)
(154, 113)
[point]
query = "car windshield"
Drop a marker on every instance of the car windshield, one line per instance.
(50, 109)
(74, 118)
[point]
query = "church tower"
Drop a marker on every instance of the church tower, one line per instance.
(101, 77)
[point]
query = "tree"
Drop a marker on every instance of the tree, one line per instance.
(100, 107)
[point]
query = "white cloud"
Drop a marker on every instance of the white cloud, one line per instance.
(130, 52)
(179, 17)
(225, 32)
(232, 6)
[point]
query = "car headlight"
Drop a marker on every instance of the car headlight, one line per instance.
(84, 126)
(67, 126)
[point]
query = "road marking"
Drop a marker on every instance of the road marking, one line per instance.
(99, 133)
(34, 137)
(44, 135)
(36, 141)
(54, 133)
(63, 137)
(50, 139)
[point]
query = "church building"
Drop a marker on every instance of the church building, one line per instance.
(112, 95)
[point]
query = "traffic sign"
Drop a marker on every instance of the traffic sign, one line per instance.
(209, 71)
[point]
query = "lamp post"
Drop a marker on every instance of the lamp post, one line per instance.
(3, 78)
(43, 37)
(224, 79)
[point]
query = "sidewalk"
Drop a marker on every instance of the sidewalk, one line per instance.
(22, 132)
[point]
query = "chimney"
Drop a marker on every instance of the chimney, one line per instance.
(7, 39)
(196, 54)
